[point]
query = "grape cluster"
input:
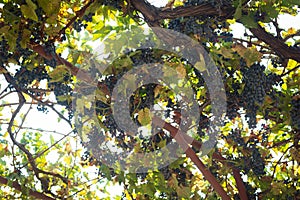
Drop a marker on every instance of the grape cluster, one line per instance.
(192, 26)
(146, 56)
(21, 51)
(183, 176)
(226, 36)
(4, 55)
(257, 85)
(78, 25)
(24, 76)
(257, 163)
(88, 17)
(113, 3)
(195, 2)
(235, 136)
(175, 24)
(295, 113)
(61, 89)
(232, 104)
(42, 108)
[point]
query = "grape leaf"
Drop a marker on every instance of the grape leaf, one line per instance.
(144, 116)
(29, 10)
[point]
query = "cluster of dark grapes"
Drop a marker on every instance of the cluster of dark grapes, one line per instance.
(182, 176)
(257, 85)
(50, 50)
(176, 25)
(24, 76)
(21, 51)
(232, 104)
(260, 16)
(78, 25)
(254, 162)
(4, 55)
(295, 113)
(203, 125)
(251, 192)
(88, 17)
(61, 89)
(146, 56)
(192, 26)
(36, 33)
(257, 163)
(226, 36)
(42, 108)
(166, 172)
(235, 136)
(195, 2)
(217, 3)
(113, 3)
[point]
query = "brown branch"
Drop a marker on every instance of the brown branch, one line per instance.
(152, 14)
(18, 187)
(176, 134)
(197, 145)
(277, 44)
(236, 174)
(21, 146)
(84, 76)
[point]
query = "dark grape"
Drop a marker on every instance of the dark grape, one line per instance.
(295, 113)
(257, 86)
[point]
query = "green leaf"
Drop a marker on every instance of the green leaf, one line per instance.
(249, 20)
(50, 7)
(4, 29)
(292, 2)
(11, 39)
(183, 192)
(25, 38)
(238, 12)
(29, 12)
(144, 116)
(57, 75)
(106, 171)
(8, 14)
(31, 4)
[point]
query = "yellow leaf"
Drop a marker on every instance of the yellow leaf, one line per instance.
(291, 64)
(292, 31)
(284, 86)
(127, 195)
(6, 134)
(68, 160)
(68, 147)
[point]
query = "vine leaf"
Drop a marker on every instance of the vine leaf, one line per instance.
(251, 55)
(144, 116)
(29, 10)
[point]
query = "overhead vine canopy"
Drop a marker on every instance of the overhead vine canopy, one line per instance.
(74, 61)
